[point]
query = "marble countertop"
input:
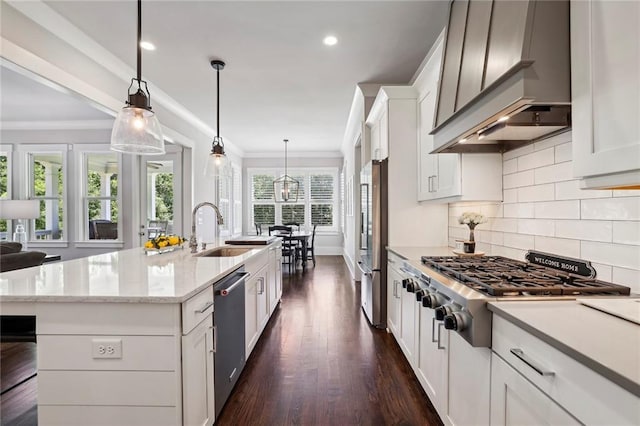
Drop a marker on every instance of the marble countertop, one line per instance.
(121, 276)
(605, 343)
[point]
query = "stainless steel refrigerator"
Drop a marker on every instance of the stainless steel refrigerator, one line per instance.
(373, 242)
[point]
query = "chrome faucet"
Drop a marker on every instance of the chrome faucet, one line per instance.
(193, 242)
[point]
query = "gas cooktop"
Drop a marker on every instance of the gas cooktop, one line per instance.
(500, 276)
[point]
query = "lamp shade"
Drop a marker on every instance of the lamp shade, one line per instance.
(217, 165)
(19, 209)
(137, 130)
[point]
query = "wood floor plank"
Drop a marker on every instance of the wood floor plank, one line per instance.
(319, 362)
(17, 363)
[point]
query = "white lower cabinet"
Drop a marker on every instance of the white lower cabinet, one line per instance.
(274, 273)
(569, 391)
(255, 308)
(432, 361)
(408, 323)
(198, 399)
(516, 401)
(469, 383)
(394, 286)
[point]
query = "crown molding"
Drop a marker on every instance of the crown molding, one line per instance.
(295, 154)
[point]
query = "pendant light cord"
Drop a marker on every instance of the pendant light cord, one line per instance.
(139, 42)
(218, 102)
(286, 141)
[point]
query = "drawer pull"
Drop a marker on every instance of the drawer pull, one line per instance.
(205, 307)
(519, 353)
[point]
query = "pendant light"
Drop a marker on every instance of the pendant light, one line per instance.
(217, 164)
(136, 129)
(285, 188)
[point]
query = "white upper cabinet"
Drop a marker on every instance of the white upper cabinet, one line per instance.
(391, 114)
(449, 177)
(605, 86)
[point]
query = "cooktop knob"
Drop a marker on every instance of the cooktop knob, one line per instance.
(457, 321)
(442, 311)
(411, 286)
(420, 294)
(405, 282)
(431, 300)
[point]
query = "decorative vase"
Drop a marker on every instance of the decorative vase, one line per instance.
(470, 245)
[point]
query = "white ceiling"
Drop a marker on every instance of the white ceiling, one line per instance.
(280, 80)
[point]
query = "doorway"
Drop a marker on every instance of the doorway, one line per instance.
(161, 194)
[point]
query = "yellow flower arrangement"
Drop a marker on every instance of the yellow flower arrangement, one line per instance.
(164, 241)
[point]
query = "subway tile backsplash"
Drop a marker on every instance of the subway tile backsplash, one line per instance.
(545, 209)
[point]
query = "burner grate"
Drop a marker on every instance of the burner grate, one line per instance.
(499, 276)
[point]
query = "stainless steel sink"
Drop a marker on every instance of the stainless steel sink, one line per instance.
(224, 252)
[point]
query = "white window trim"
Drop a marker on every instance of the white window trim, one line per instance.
(7, 150)
(306, 171)
(81, 151)
(26, 186)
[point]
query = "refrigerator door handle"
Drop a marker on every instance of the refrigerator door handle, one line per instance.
(369, 273)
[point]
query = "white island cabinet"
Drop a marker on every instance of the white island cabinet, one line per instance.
(125, 338)
(605, 92)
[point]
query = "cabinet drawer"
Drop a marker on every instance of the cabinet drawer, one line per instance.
(587, 395)
(83, 415)
(130, 388)
(149, 353)
(196, 309)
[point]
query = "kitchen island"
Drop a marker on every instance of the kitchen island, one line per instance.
(127, 338)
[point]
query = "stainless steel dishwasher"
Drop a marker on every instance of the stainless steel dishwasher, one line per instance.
(228, 323)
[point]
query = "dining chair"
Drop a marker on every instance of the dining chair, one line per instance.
(293, 224)
(289, 247)
(311, 254)
(258, 228)
(106, 230)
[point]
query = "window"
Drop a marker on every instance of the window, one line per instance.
(317, 198)
(101, 188)
(237, 199)
(5, 186)
(230, 201)
(46, 170)
(262, 206)
(224, 203)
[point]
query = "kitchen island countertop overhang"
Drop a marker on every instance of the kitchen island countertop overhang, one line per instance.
(122, 276)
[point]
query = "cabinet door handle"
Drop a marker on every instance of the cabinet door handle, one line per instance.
(440, 327)
(261, 291)
(434, 183)
(519, 353)
(433, 330)
(429, 184)
(205, 307)
(215, 339)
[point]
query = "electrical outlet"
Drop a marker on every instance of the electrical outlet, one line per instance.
(107, 348)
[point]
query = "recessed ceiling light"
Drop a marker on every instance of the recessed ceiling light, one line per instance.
(147, 45)
(503, 119)
(330, 40)
(463, 140)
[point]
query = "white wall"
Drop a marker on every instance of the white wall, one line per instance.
(326, 243)
(544, 209)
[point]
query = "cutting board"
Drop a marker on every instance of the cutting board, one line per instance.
(628, 309)
(252, 240)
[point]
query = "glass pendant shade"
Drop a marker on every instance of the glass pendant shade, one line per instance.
(217, 165)
(285, 189)
(137, 130)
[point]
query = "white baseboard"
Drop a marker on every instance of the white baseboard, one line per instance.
(328, 251)
(350, 264)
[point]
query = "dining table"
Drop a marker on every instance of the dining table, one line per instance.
(301, 237)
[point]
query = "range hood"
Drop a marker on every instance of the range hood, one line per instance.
(505, 77)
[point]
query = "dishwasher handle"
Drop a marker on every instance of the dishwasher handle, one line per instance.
(225, 291)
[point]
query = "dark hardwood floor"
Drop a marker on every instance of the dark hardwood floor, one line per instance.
(320, 363)
(18, 384)
(317, 363)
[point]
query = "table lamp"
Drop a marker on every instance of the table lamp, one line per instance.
(19, 209)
